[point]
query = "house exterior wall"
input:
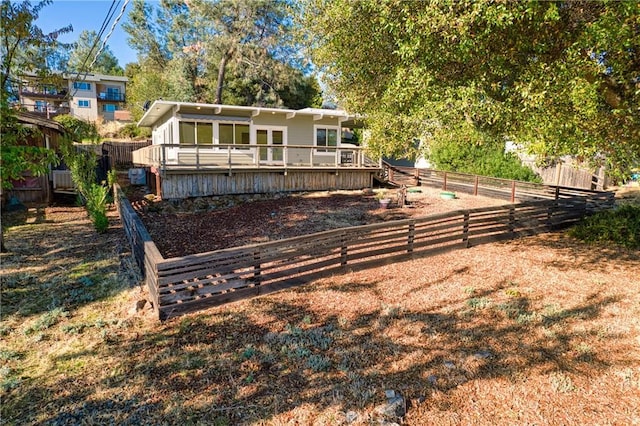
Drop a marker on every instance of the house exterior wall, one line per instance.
(94, 96)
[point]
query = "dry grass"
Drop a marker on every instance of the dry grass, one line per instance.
(543, 330)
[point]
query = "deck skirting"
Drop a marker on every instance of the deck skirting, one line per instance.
(178, 185)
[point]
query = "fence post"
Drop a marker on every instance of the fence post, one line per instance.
(512, 220)
(343, 251)
(465, 230)
(444, 182)
(513, 191)
(411, 237)
(416, 176)
(475, 185)
(256, 265)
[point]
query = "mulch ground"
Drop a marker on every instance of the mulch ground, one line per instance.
(207, 224)
(541, 330)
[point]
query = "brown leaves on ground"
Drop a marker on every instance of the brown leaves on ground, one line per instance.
(542, 330)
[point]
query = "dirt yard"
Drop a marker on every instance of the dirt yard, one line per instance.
(543, 330)
(220, 222)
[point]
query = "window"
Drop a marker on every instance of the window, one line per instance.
(84, 103)
(41, 106)
(192, 133)
(81, 85)
(233, 133)
(109, 108)
(326, 136)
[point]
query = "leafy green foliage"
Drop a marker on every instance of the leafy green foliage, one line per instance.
(16, 157)
(470, 151)
(106, 63)
(24, 46)
(78, 129)
(228, 51)
(97, 197)
(619, 226)
(559, 78)
(82, 165)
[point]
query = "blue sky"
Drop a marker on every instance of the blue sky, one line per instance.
(88, 15)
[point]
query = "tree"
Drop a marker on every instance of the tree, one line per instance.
(225, 51)
(560, 78)
(23, 45)
(81, 58)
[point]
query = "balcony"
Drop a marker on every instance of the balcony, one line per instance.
(113, 97)
(34, 92)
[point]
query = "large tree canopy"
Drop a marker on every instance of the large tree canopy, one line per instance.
(23, 45)
(81, 58)
(557, 77)
(224, 51)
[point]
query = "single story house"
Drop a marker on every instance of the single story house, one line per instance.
(209, 149)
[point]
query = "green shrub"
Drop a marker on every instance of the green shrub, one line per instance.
(132, 131)
(467, 149)
(620, 226)
(97, 198)
(79, 130)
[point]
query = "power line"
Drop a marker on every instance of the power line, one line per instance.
(105, 23)
(113, 26)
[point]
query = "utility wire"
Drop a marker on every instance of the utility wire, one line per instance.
(113, 26)
(105, 23)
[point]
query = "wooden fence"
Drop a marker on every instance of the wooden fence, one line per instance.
(120, 152)
(505, 189)
(186, 284)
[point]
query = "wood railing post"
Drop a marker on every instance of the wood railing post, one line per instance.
(475, 185)
(256, 265)
(411, 236)
(444, 182)
(343, 251)
(513, 191)
(197, 157)
(465, 230)
(512, 220)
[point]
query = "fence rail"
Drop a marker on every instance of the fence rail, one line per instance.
(120, 153)
(506, 189)
(186, 284)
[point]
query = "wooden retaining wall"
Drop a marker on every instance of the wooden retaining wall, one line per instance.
(191, 283)
(144, 250)
(176, 185)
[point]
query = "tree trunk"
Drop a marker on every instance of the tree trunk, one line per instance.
(221, 69)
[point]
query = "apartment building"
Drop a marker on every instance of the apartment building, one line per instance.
(87, 96)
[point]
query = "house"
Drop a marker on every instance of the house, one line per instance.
(87, 96)
(209, 149)
(37, 189)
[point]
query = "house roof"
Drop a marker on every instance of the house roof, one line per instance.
(160, 108)
(35, 119)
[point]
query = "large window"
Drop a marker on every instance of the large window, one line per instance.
(109, 108)
(326, 137)
(81, 85)
(196, 133)
(233, 133)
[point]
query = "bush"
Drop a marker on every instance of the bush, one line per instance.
(619, 226)
(132, 131)
(97, 206)
(469, 150)
(77, 129)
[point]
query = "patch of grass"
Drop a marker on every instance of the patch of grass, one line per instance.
(478, 303)
(619, 226)
(46, 320)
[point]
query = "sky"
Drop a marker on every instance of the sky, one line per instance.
(88, 15)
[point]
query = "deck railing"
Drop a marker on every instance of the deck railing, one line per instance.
(229, 156)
